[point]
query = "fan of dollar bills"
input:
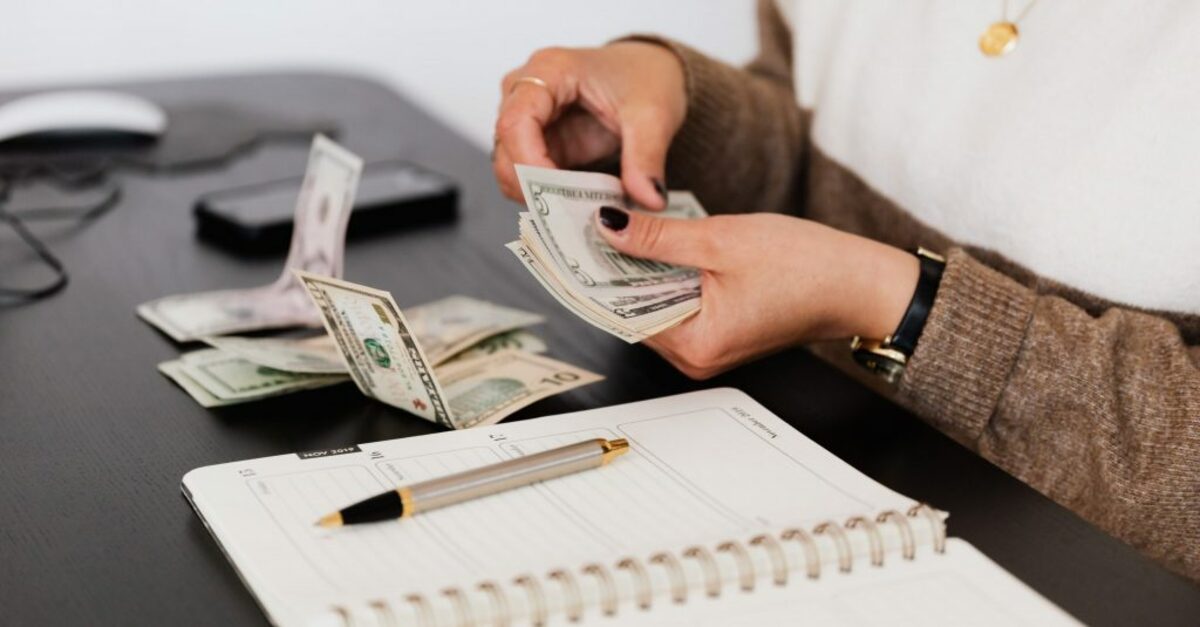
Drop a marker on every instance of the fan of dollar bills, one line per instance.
(459, 361)
(629, 297)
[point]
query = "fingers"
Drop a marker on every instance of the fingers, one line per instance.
(533, 96)
(519, 136)
(506, 175)
(520, 126)
(578, 138)
(645, 140)
(672, 240)
(536, 125)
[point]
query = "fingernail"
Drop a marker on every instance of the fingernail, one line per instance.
(660, 187)
(613, 219)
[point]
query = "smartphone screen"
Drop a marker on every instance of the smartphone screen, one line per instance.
(391, 195)
(384, 184)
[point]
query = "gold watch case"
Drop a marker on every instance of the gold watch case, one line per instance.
(879, 357)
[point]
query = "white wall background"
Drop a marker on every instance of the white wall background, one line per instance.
(447, 55)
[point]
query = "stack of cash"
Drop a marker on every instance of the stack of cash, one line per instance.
(459, 361)
(630, 298)
(387, 359)
(215, 378)
(485, 365)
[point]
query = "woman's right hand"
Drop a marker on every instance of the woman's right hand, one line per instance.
(627, 97)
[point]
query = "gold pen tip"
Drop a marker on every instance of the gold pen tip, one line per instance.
(614, 448)
(330, 520)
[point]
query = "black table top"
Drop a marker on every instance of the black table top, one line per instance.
(94, 441)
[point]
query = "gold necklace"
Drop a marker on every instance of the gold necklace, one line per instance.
(1001, 37)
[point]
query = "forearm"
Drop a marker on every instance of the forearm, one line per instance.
(1100, 413)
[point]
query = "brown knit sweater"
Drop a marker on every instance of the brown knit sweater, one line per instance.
(1094, 404)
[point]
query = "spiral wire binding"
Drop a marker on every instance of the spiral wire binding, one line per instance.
(746, 574)
(384, 610)
(774, 549)
(424, 611)
(679, 590)
(645, 594)
(841, 542)
(537, 598)
(608, 589)
(812, 555)
(345, 615)
(499, 600)
(609, 602)
(873, 538)
(936, 524)
(908, 543)
(712, 575)
(461, 608)
(571, 590)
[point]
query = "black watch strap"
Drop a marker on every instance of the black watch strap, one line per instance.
(909, 331)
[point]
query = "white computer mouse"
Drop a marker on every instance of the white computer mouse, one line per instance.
(67, 115)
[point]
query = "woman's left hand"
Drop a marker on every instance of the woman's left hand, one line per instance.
(768, 282)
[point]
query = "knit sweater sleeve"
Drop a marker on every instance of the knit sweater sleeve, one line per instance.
(740, 147)
(1101, 413)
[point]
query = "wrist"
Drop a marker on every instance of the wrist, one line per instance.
(887, 353)
(885, 281)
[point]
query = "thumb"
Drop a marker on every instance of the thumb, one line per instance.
(672, 240)
(644, 144)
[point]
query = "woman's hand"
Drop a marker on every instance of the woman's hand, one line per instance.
(768, 282)
(627, 96)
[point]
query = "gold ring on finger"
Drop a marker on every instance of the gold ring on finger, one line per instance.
(532, 80)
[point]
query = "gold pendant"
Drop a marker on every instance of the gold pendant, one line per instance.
(999, 39)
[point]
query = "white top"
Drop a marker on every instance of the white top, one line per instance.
(1074, 155)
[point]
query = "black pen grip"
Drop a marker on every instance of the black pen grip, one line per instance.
(384, 506)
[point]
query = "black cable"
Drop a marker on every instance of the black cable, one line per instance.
(16, 221)
(82, 214)
(60, 272)
(97, 173)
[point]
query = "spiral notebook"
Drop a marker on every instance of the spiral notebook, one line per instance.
(721, 514)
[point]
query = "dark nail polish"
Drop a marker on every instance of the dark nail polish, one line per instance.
(613, 219)
(660, 187)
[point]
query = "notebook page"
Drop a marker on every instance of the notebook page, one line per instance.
(960, 587)
(703, 466)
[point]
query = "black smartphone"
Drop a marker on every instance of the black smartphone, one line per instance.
(257, 219)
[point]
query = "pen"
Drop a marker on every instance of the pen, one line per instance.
(471, 484)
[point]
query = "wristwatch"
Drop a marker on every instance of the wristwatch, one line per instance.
(887, 357)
